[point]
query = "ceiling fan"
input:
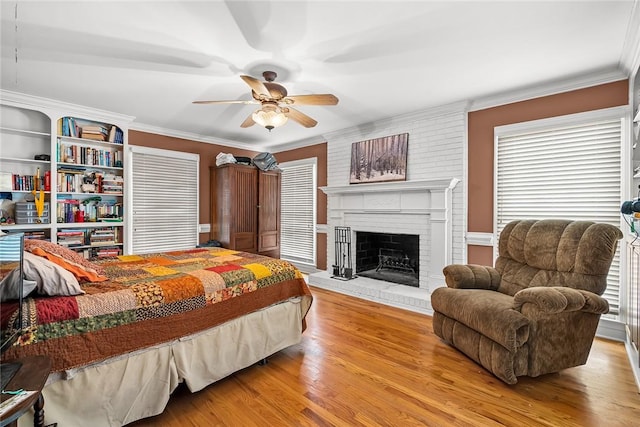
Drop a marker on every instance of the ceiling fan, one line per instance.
(276, 104)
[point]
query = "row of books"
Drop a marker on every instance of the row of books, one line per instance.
(36, 235)
(104, 252)
(104, 236)
(31, 182)
(79, 181)
(90, 210)
(107, 236)
(70, 238)
(97, 253)
(109, 183)
(69, 126)
(88, 156)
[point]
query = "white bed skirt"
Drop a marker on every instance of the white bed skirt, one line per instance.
(138, 385)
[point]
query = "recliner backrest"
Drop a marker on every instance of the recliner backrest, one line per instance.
(554, 252)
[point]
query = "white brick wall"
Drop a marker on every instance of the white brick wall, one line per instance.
(436, 151)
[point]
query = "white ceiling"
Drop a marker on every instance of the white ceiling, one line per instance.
(151, 59)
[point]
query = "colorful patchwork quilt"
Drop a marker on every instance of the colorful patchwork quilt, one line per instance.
(151, 299)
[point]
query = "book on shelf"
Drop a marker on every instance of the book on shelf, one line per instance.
(102, 243)
(28, 183)
(105, 252)
(88, 156)
(95, 128)
(68, 127)
(71, 169)
(36, 235)
(107, 236)
(71, 237)
(70, 232)
(93, 136)
(116, 135)
(112, 133)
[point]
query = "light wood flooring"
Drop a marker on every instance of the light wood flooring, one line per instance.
(365, 364)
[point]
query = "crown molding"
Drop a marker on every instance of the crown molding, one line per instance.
(56, 108)
(550, 88)
(142, 127)
(630, 58)
(314, 140)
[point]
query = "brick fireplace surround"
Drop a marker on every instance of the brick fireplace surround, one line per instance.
(421, 207)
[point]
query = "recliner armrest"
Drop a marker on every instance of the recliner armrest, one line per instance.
(471, 276)
(558, 299)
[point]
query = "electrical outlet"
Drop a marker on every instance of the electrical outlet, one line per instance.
(204, 228)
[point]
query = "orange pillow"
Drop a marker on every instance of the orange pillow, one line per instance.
(81, 272)
(62, 252)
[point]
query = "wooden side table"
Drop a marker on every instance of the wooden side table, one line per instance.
(31, 376)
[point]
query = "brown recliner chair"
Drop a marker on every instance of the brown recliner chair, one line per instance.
(537, 311)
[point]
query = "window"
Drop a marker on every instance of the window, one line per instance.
(164, 200)
(298, 211)
(570, 171)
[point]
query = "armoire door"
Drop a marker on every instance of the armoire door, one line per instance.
(269, 213)
(244, 213)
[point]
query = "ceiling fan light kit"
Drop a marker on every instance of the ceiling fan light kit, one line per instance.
(270, 95)
(270, 117)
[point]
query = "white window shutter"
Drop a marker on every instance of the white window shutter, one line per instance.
(164, 200)
(571, 172)
(298, 211)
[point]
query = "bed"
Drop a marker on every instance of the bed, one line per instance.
(141, 324)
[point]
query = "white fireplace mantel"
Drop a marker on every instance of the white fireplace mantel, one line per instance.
(393, 187)
(428, 202)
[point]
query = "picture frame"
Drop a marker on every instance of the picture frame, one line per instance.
(379, 160)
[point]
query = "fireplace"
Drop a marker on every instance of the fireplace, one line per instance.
(421, 208)
(388, 256)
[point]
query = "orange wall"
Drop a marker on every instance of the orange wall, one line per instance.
(320, 152)
(481, 124)
(207, 152)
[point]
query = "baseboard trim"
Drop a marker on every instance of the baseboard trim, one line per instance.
(611, 329)
(634, 361)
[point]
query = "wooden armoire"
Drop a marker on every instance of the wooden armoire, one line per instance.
(245, 208)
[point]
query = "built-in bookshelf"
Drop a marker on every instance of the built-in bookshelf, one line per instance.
(65, 170)
(25, 170)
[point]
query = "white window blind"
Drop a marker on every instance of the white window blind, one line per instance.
(298, 211)
(571, 172)
(164, 200)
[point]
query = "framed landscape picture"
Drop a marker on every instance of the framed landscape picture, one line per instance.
(379, 159)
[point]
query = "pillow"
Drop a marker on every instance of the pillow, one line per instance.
(51, 280)
(43, 275)
(62, 252)
(79, 271)
(10, 286)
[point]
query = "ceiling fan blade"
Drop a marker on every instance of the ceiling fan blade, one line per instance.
(322, 99)
(89, 48)
(226, 102)
(260, 25)
(301, 118)
(248, 122)
(257, 86)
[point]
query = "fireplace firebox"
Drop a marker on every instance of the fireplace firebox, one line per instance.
(389, 257)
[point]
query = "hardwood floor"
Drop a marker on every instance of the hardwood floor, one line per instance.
(366, 364)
